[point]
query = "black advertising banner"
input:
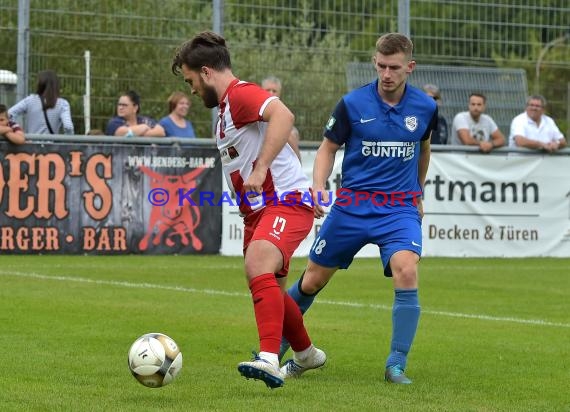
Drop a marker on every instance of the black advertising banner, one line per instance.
(109, 199)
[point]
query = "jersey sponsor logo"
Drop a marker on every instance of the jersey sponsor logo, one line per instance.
(403, 150)
(411, 123)
(366, 120)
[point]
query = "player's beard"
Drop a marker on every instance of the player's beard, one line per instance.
(209, 95)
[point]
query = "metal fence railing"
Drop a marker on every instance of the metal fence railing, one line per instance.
(307, 43)
(310, 146)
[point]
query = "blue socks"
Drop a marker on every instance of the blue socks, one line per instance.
(303, 301)
(405, 317)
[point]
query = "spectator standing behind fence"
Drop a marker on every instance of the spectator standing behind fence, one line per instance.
(441, 134)
(46, 112)
(10, 129)
(175, 124)
(475, 128)
(273, 85)
(128, 122)
(535, 130)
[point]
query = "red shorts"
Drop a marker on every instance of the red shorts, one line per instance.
(284, 226)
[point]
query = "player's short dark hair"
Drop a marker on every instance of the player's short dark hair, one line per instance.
(478, 94)
(205, 49)
(392, 43)
(3, 109)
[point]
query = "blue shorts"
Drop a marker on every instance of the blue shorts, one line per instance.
(346, 230)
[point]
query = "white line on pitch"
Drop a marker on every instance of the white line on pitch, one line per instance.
(241, 294)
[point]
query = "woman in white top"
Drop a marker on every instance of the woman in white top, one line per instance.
(46, 112)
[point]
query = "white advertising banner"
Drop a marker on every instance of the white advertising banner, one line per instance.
(475, 205)
(497, 205)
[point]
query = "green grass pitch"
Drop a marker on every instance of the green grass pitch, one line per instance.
(494, 335)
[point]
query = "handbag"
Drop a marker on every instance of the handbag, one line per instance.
(45, 117)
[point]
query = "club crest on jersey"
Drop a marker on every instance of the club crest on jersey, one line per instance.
(330, 123)
(411, 123)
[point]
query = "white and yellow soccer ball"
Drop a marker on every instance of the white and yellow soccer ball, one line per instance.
(155, 360)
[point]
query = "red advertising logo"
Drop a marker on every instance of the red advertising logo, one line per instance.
(172, 218)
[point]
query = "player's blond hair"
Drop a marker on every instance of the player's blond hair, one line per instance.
(392, 43)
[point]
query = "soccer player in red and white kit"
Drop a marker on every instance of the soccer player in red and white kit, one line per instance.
(251, 134)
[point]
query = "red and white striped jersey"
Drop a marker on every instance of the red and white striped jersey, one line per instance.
(240, 132)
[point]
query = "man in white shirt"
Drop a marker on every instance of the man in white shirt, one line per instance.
(475, 128)
(535, 130)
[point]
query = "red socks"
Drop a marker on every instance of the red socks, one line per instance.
(293, 328)
(276, 314)
(269, 311)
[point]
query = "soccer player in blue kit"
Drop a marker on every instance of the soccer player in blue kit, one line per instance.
(385, 127)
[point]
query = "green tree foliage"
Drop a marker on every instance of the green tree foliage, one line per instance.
(554, 78)
(131, 45)
(312, 68)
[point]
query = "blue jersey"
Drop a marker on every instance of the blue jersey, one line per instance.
(382, 142)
